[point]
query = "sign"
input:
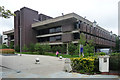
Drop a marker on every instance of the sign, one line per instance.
(81, 49)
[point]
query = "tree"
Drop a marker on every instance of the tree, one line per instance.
(46, 47)
(62, 48)
(82, 39)
(5, 13)
(38, 48)
(117, 44)
(71, 48)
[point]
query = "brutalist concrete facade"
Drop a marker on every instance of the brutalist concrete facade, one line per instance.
(24, 18)
(55, 31)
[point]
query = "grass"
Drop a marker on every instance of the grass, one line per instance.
(51, 54)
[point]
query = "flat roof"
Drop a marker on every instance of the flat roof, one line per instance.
(8, 32)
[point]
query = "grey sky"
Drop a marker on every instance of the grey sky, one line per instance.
(105, 12)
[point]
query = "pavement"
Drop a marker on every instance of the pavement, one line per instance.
(24, 66)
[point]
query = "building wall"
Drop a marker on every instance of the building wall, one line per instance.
(28, 35)
(5, 40)
(17, 28)
(24, 19)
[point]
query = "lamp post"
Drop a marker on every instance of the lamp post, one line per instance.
(111, 42)
(94, 25)
(20, 41)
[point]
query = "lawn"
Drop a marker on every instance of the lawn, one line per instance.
(52, 54)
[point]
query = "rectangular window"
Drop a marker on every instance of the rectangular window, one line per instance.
(58, 38)
(76, 36)
(52, 39)
(52, 30)
(76, 25)
(58, 29)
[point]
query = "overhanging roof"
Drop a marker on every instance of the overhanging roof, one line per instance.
(8, 32)
(72, 16)
(57, 19)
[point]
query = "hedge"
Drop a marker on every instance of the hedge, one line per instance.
(7, 51)
(85, 65)
(115, 61)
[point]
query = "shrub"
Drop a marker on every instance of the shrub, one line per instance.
(3, 46)
(11, 45)
(17, 48)
(31, 47)
(115, 61)
(7, 51)
(84, 65)
(39, 48)
(25, 48)
(101, 53)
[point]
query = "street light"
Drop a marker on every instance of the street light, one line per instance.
(20, 41)
(111, 41)
(94, 25)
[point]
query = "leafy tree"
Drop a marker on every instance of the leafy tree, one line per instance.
(62, 48)
(5, 13)
(71, 48)
(89, 48)
(117, 44)
(25, 48)
(82, 40)
(54, 48)
(38, 48)
(17, 48)
(46, 47)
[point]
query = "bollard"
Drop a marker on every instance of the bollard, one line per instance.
(60, 57)
(37, 61)
(67, 66)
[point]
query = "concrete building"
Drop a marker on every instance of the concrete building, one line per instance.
(9, 38)
(5, 40)
(40, 28)
(0, 39)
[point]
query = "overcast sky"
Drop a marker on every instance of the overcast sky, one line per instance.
(105, 12)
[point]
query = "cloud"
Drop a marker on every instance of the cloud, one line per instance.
(105, 12)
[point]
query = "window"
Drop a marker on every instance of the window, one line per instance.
(52, 30)
(58, 29)
(58, 38)
(52, 39)
(55, 38)
(76, 36)
(77, 25)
